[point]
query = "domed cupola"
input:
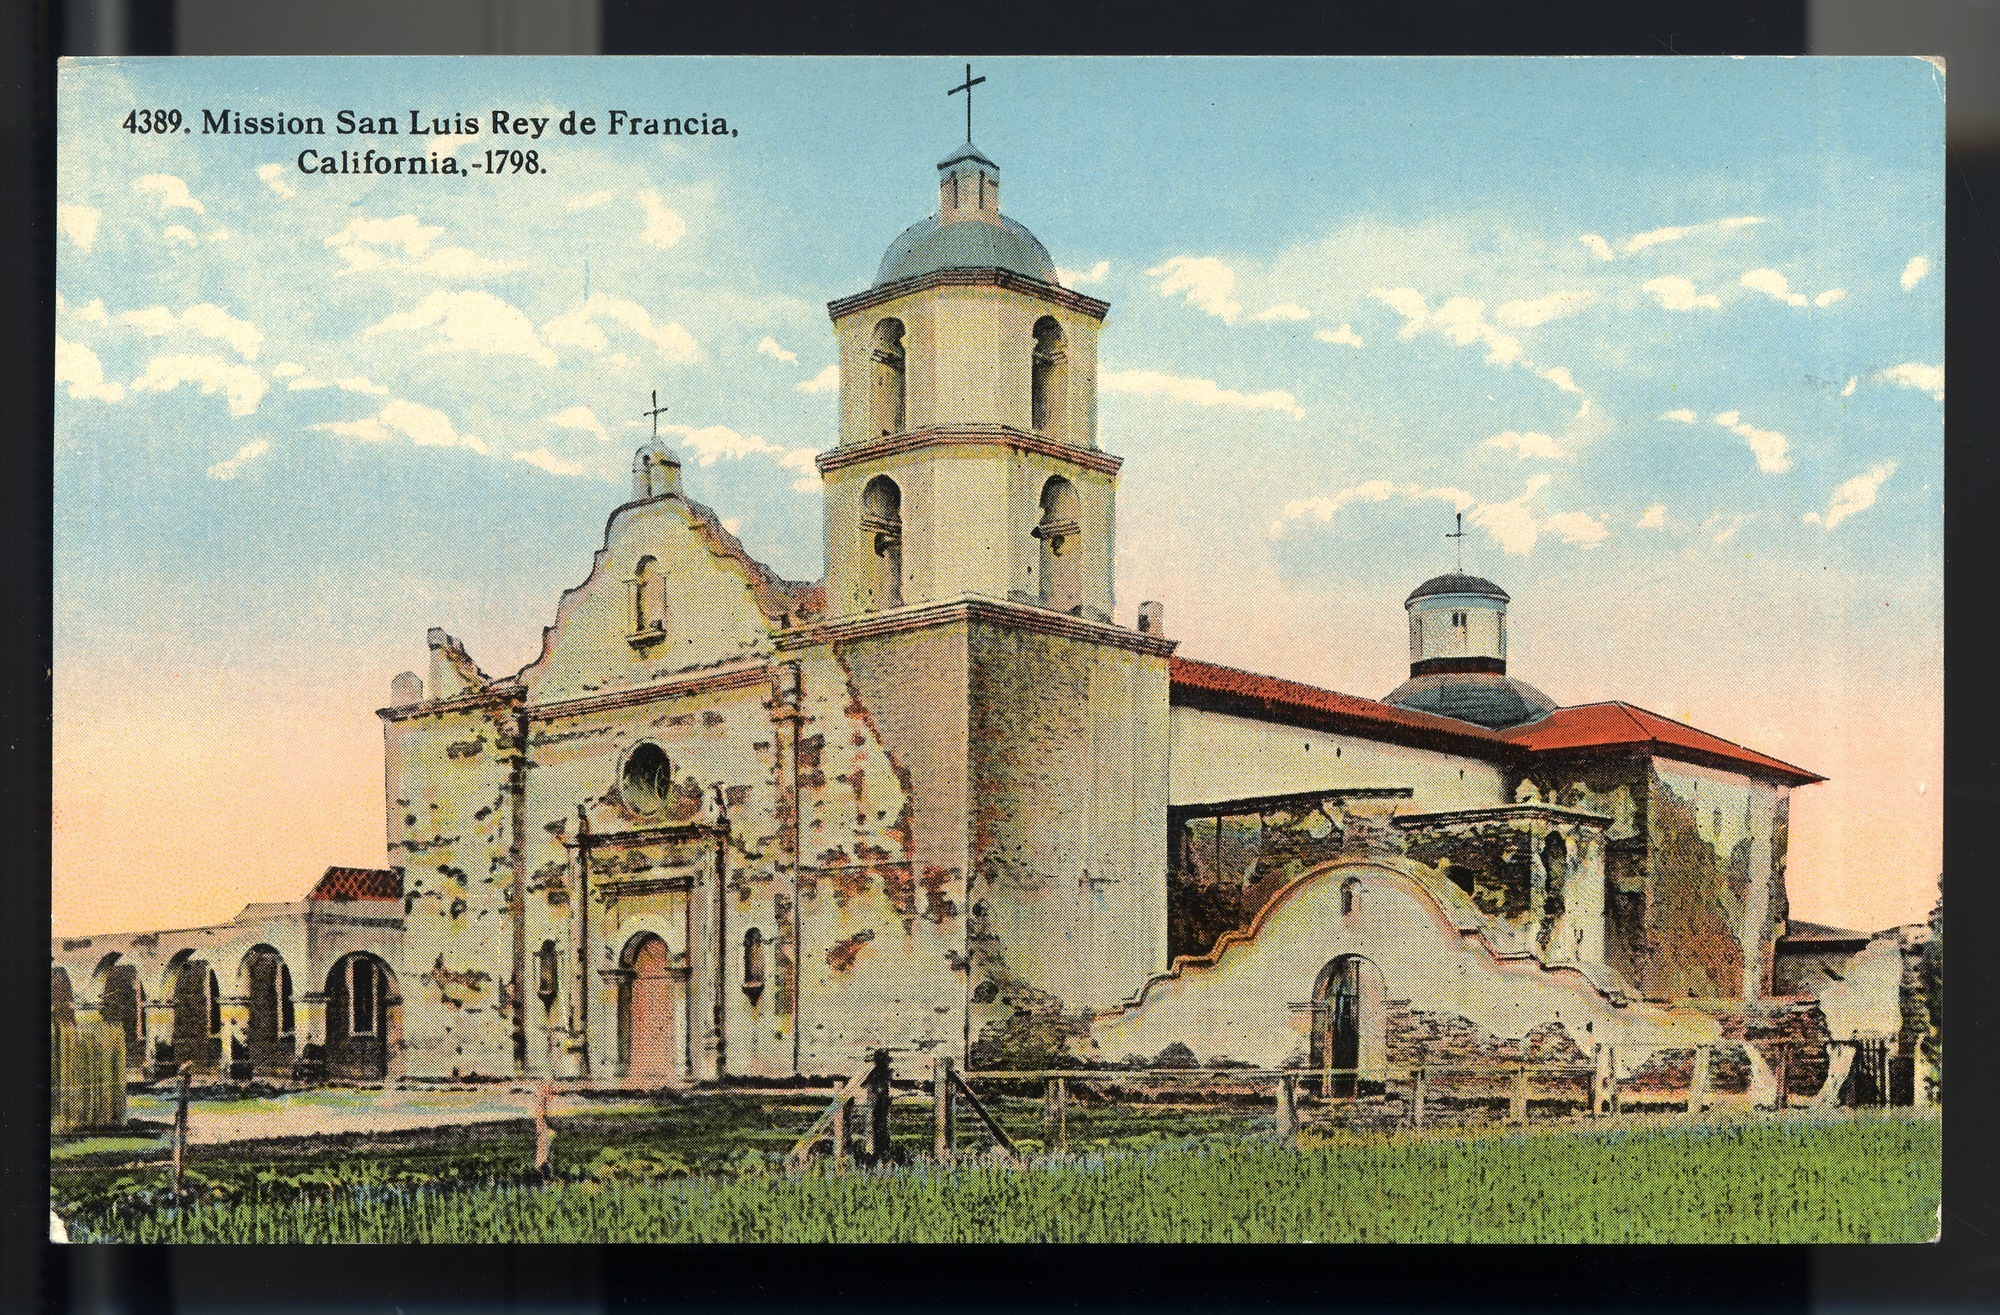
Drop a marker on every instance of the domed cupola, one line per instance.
(968, 231)
(1458, 656)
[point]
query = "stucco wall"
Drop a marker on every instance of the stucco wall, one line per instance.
(1216, 756)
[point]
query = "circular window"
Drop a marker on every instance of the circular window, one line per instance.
(648, 778)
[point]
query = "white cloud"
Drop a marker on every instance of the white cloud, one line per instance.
(220, 235)
(1512, 524)
(1540, 310)
(1598, 246)
(470, 322)
(664, 227)
(1070, 278)
(179, 233)
(1344, 336)
(305, 383)
(243, 386)
(249, 452)
(460, 263)
(1913, 273)
(171, 192)
(543, 459)
(583, 418)
(1576, 528)
(405, 233)
(1682, 414)
(1772, 449)
(712, 443)
(1284, 310)
(1857, 494)
(1323, 507)
(287, 370)
(1912, 374)
(1728, 532)
(588, 200)
(355, 383)
(78, 369)
(1406, 302)
(1560, 376)
(579, 328)
(426, 426)
(1656, 237)
(273, 176)
(1772, 284)
(1676, 293)
(1847, 389)
(771, 348)
(79, 223)
(1830, 296)
(1655, 518)
(92, 312)
(1463, 320)
(203, 318)
(1205, 282)
(1199, 392)
(1523, 445)
(824, 382)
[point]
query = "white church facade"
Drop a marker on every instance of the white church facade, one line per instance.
(951, 800)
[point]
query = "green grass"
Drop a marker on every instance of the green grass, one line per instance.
(1844, 1179)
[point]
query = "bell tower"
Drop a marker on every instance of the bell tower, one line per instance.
(967, 463)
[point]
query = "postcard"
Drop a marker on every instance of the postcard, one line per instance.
(1028, 650)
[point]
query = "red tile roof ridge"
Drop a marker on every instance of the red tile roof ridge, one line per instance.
(1651, 728)
(1200, 674)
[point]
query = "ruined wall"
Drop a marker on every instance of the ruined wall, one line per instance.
(1612, 786)
(1454, 986)
(1714, 894)
(1068, 849)
(449, 830)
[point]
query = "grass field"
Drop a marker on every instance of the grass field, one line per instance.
(703, 1171)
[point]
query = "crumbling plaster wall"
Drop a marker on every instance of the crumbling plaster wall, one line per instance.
(449, 822)
(1068, 751)
(1715, 889)
(1484, 996)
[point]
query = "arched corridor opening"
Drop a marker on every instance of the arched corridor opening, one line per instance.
(121, 1002)
(1350, 1034)
(264, 981)
(197, 1001)
(363, 1018)
(649, 1007)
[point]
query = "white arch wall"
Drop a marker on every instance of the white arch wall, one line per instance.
(1240, 1006)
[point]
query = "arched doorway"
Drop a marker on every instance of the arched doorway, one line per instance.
(121, 1002)
(265, 980)
(1349, 1032)
(363, 1018)
(197, 1000)
(649, 1013)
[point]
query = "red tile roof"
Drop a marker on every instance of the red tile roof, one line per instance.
(358, 883)
(1591, 726)
(1604, 725)
(1271, 694)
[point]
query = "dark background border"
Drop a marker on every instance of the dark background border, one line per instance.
(1958, 1273)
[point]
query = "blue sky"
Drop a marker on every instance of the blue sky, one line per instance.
(1669, 332)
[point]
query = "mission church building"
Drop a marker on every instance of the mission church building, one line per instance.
(950, 800)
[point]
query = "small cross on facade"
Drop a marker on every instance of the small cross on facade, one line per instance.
(966, 87)
(656, 413)
(1458, 536)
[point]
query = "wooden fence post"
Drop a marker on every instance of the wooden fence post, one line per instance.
(841, 1105)
(1698, 1079)
(1597, 1098)
(943, 1126)
(1417, 1097)
(1055, 1114)
(181, 1123)
(878, 1108)
(545, 1136)
(1288, 1110)
(1784, 1055)
(1517, 1096)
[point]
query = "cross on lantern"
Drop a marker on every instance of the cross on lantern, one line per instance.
(656, 413)
(1459, 536)
(966, 87)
